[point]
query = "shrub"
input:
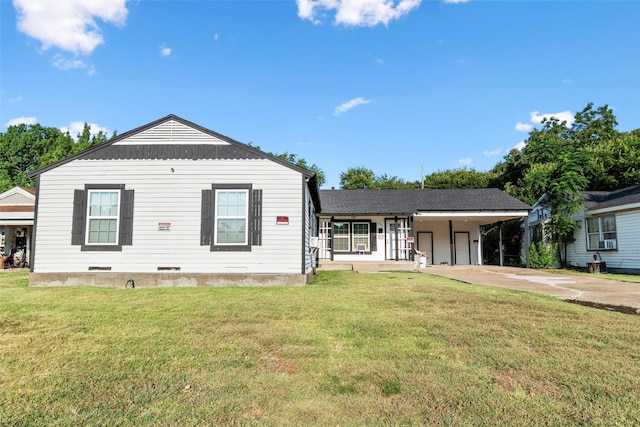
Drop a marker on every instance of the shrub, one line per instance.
(542, 255)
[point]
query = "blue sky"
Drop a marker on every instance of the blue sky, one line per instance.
(391, 85)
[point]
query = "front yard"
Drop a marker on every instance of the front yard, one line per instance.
(348, 349)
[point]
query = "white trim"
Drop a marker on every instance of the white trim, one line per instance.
(463, 214)
(217, 217)
(618, 208)
(97, 217)
(18, 190)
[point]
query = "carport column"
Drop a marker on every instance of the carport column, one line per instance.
(527, 241)
(452, 249)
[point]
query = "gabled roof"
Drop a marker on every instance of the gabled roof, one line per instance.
(610, 199)
(211, 146)
(373, 202)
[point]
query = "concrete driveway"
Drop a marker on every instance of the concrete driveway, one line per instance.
(595, 288)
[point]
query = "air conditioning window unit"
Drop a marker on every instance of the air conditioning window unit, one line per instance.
(607, 244)
(313, 242)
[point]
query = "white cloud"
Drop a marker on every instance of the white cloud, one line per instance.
(465, 162)
(360, 13)
(22, 120)
(456, 1)
(567, 81)
(520, 145)
(523, 127)
(563, 116)
(379, 61)
(16, 100)
(69, 25)
(216, 37)
(493, 152)
(76, 128)
(343, 108)
(165, 51)
(65, 64)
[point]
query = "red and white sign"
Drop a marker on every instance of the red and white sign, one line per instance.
(164, 226)
(282, 220)
(409, 239)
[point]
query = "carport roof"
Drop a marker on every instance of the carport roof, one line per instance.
(374, 202)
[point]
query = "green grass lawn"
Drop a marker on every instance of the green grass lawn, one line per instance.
(397, 348)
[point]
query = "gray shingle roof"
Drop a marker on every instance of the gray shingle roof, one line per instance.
(607, 199)
(352, 202)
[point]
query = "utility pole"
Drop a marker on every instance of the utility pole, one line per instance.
(422, 179)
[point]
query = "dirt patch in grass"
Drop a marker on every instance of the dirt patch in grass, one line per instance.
(618, 308)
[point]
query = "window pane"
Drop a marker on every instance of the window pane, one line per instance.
(102, 230)
(361, 235)
(341, 236)
(231, 231)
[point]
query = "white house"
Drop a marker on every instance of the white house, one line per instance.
(608, 229)
(16, 223)
(379, 225)
(173, 204)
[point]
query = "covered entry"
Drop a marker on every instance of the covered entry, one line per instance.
(396, 225)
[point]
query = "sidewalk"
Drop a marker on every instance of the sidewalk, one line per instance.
(595, 288)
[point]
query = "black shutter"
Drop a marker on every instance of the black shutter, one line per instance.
(126, 218)
(206, 218)
(79, 213)
(256, 218)
(373, 236)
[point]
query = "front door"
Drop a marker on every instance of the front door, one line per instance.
(463, 248)
(425, 244)
(396, 239)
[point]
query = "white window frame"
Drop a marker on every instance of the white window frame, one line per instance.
(600, 232)
(102, 217)
(362, 238)
(341, 237)
(218, 217)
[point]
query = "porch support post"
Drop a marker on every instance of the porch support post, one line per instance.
(527, 242)
(451, 244)
(501, 251)
(412, 233)
(330, 237)
(395, 225)
(479, 245)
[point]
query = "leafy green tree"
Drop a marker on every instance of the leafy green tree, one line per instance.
(459, 178)
(357, 178)
(293, 158)
(26, 148)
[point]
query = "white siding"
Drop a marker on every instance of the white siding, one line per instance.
(171, 191)
(171, 132)
(628, 235)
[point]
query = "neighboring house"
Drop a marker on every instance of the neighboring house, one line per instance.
(16, 221)
(173, 204)
(608, 229)
(377, 225)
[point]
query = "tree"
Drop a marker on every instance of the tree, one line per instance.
(459, 178)
(293, 158)
(357, 178)
(26, 148)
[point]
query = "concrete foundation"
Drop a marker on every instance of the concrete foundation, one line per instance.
(166, 279)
